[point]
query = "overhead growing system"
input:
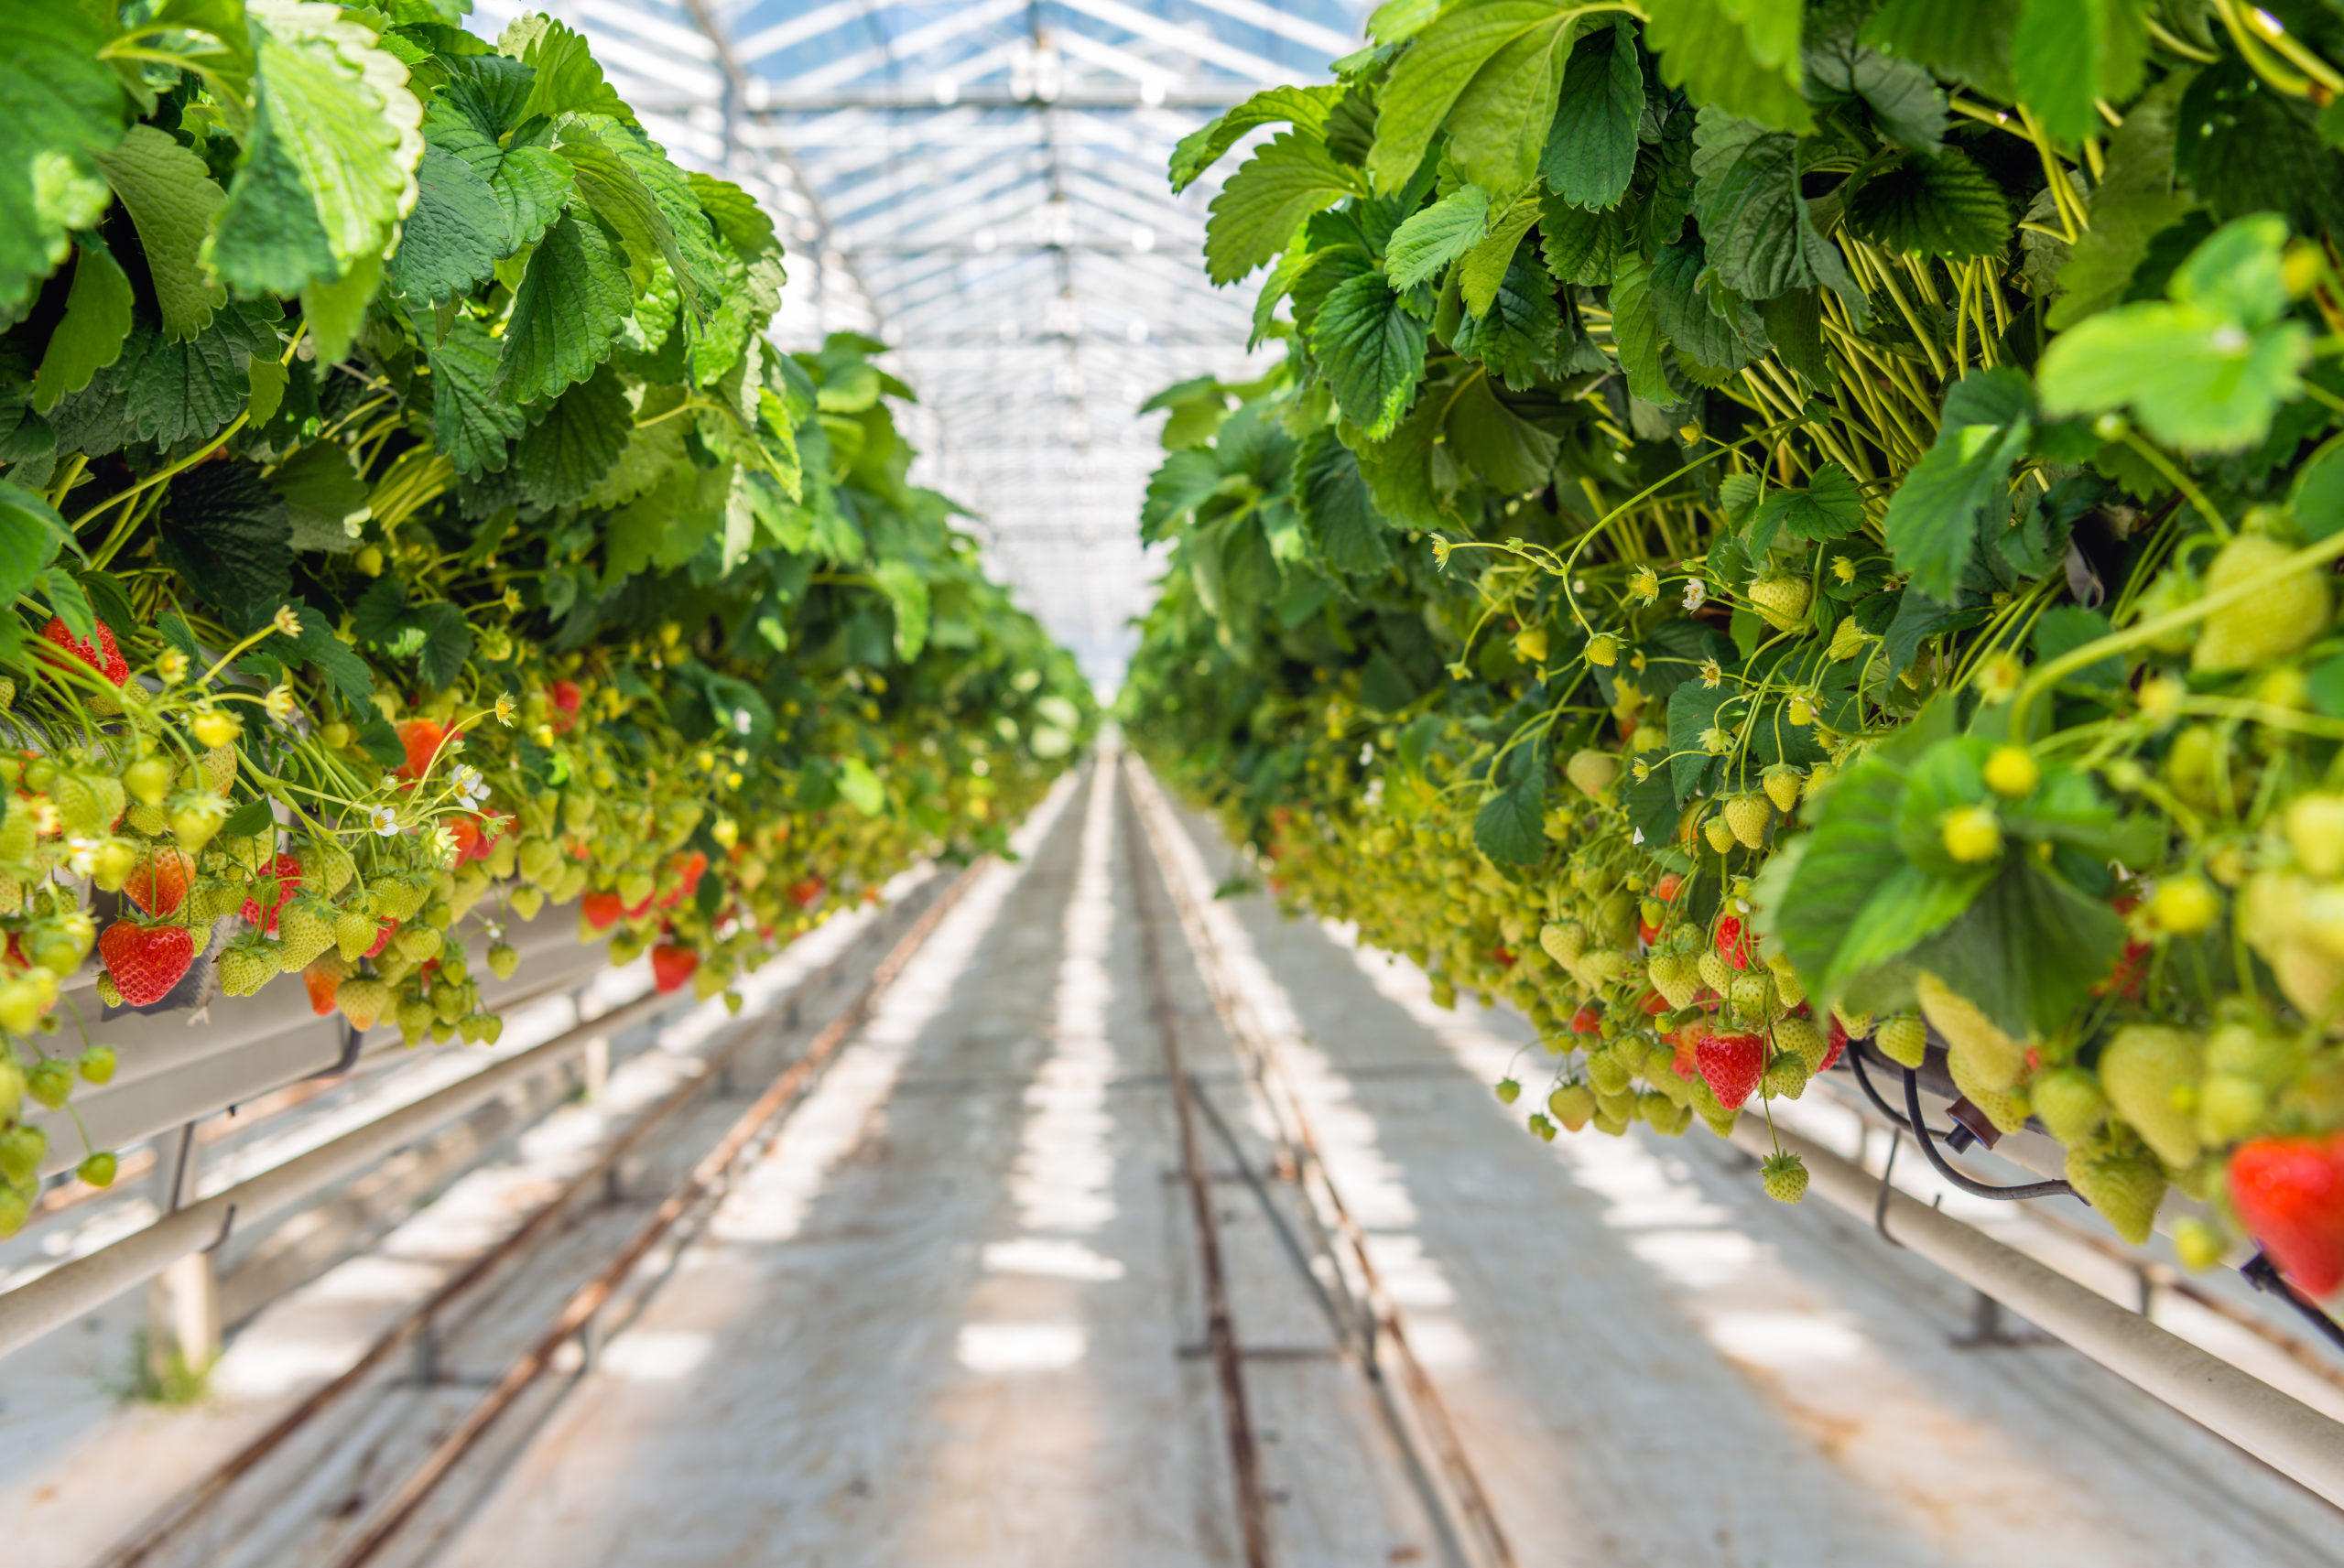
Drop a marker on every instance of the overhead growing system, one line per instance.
(981, 185)
(408, 526)
(1780, 523)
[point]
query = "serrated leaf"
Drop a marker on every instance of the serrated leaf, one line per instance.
(1371, 351)
(1794, 321)
(1831, 507)
(2243, 147)
(1266, 200)
(654, 445)
(91, 335)
(2069, 53)
(1509, 828)
(1514, 334)
(335, 309)
(60, 103)
(564, 78)
(1759, 236)
(458, 232)
(1635, 332)
(907, 595)
(1337, 509)
(173, 199)
(165, 392)
(1933, 519)
(1432, 237)
(2028, 951)
(1487, 264)
(1579, 246)
(1504, 450)
(2135, 201)
(1591, 149)
(1688, 315)
(1906, 105)
(321, 493)
(30, 533)
(1938, 204)
(471, 420)
(1970, 42)
(336, 136)
(1182, 483)
(564, 455)
(2192, 377)
(225, 531)
(1306, 108)
(1497, 128)
(573, 301)
(447, 644)
(1742, 56)
(320, 649)
(1440, 64)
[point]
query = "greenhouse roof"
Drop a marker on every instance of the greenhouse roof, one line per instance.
(981, 184)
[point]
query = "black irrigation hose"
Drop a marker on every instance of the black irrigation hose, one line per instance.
(1976, 1189)
(2263, 1275)
(1896, 1116)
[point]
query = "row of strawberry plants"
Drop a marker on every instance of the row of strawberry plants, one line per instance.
(405, 525)
(1789, 523)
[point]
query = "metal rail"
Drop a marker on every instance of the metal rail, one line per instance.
(422, 1318)
(2285, 1433)
(1221, 1335)
(578, 1313)
(1463, 1494)
(88, 1282)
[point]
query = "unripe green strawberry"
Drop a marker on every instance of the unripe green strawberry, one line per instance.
(305, 928)
(414, 1016)
(1593, 772)
(472, 1028)
(2125, 1188)
(1781, 601)
(210, 899)
(1564, 941)
(1715, 972)
(393, 965)
(418, 942)
(354, 931)
(540, 861)
(493, 1029)
(1781, 783)
(1801, 1039)
(98, 1169)
(1573, 1105)
(446, 1001)
(1996, 1059)
(1848, 640)
(2070, 1105)
(2003, 1107)
(1786, 981)
(2273, 622)
(1753, 993)
(112, 863)
(526, 902)
(1509, 1090)
(151, 820)
(15, 1207)
(112, 800)
(49, 1081)
(1608, 1073)
(2228, 1108)
(1719, 833)
(196, 817)
(363, 999)
(1784, 1175)
(108, 992)
(326, 867)
(217, 768)
(1903, 1040)
(96, 1063)
(1786, 1076)
(21, 1150)
(1748, 816)
(503, 959)
(18, 834)
(246, 963)
(148, 780)
(1723, 1123)
(1675, 977)
(2149, 1071)
(80, 811)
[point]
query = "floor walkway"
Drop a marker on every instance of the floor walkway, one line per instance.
(954, 1318)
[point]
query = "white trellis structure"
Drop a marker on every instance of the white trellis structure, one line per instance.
(980, 184)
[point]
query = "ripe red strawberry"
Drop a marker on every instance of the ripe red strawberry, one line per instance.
(807, 893)
(1835, 1040)
(689, 869)
(382, 938)
(1504, 957)
(1588, 1020)
(562, 696)
(465, 832)
(1733, 944)
(671, 966)
(105, 658)
(285, 871)
(1731, 1066)
(421, 738)
(1687, 1045)
(158, 883)
(324, 980)
(601, 909)
(144, 960)
(1667, 888)
(1652, 1004)
(2289, 1194)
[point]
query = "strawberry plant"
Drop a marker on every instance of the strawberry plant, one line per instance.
(1787, 524)
(408, 526)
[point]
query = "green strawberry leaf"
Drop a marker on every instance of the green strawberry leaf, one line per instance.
(59, 104)
(1591, 148)
(1432, 237)
(1266, 200)
(1933, 519)
(1511, 828)
(469, 421)
(1306, 108)
(573, 301)
(1371, 350)
(1829, 508)
(1340, 515)
(1938, 204)
(91, 335)
(172, 199)
(1742, 56)
(566, 454)
(2068, 54)
(1759, 236)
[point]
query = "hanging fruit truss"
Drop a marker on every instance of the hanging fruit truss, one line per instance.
(408, 526)
(1782, 524)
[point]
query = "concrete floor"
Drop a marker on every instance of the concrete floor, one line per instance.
(950, 1319)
